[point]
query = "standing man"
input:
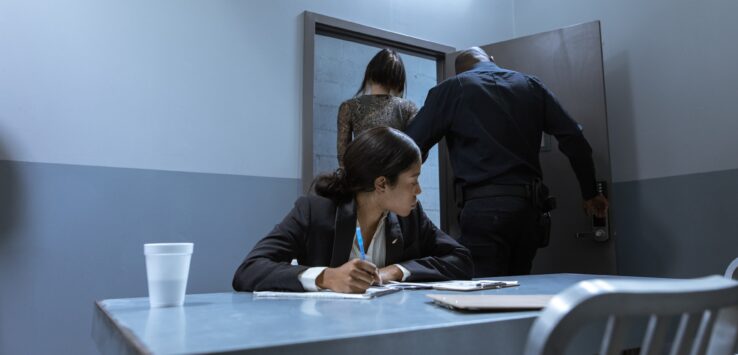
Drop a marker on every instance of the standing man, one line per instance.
(493, 119)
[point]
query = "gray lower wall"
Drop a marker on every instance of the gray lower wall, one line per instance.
(70, 235)
(680, 226)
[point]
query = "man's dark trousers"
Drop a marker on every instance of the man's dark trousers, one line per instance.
(502, 234)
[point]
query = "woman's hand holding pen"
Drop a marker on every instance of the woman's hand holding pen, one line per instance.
(355, 276)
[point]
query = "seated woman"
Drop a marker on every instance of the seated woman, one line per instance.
(374, 192)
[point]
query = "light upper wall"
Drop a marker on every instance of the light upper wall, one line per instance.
(671, 79)
(215, 86)
(197, 86)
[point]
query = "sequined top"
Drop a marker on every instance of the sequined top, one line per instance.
(368, 111)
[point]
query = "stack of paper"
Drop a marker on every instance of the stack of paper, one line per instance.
(371, 292)
(456, 285)
(376, 291)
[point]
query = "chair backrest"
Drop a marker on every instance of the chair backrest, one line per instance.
(732, 271)
(707, 310)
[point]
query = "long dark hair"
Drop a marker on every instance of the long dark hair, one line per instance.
(385, 69)
(380, 151)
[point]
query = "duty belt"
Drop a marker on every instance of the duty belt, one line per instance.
(493, 190)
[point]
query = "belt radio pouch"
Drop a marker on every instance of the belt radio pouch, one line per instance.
(544, 229)
(540, 197)
(544, 203)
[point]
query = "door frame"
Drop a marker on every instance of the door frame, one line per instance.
(317, 24)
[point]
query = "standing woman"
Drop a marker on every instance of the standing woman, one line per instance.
(378, 102)
(376, 194)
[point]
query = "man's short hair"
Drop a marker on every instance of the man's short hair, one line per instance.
(470, 57)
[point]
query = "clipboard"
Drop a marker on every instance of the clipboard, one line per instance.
(491, 302)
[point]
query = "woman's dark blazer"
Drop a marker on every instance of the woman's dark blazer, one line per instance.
(320, 232)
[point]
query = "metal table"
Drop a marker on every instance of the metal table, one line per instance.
(237, 323)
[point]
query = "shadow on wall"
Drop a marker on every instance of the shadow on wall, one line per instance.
(621, 117)
(9, 195)
(641, 239)
(646, 246)
(621, 130)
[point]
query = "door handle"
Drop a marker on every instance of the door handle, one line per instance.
(598, 235)
(600, 226)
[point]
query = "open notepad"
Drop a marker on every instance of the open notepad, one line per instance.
(371, 292)
(376, 291)
(455, 285)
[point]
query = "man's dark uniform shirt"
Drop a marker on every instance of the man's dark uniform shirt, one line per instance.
(492, 119)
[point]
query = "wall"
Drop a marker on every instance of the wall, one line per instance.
(126, 122)
(671, 86)
(135, 121)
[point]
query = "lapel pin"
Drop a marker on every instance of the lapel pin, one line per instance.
(394, 241)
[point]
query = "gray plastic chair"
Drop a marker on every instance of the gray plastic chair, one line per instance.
(707, 309)
(732, 271)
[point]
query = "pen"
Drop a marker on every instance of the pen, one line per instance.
(360, 240)
(489, 283)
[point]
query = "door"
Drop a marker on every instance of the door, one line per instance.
(569, 62)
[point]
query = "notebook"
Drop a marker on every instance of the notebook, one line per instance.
(456, 285)
(491, 302)
(371, 292)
